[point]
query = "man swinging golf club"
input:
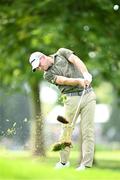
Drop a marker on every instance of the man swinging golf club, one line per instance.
(69, 73)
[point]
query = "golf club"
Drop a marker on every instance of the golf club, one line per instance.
(64, 121)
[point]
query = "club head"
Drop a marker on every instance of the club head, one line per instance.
(62, 120)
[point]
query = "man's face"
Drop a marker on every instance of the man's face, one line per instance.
(43, 65)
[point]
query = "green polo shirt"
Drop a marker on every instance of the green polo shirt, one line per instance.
(62, 67)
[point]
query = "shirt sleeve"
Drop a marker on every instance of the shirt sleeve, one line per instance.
(65, 52)
(50, 77)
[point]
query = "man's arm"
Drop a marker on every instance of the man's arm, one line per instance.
(81, 67)
(61, 80)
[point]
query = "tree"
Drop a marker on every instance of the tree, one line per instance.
(91, 29)
(14, 63)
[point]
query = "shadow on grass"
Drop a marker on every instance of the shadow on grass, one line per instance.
(107, 164)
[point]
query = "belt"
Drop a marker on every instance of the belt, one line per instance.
(79, 93)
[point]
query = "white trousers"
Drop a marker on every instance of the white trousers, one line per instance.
(87, 110)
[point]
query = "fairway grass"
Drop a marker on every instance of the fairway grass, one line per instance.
(21, 165)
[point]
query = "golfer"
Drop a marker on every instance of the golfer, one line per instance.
(68, 72)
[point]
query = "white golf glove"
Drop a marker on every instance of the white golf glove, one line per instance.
(87, 77)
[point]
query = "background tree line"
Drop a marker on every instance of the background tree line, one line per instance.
(89, 28)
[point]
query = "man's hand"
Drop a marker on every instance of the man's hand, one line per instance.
(87, 78)
(82, 82)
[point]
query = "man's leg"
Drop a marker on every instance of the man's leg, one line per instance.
(87, 129)
(66, 137)
(70, 108)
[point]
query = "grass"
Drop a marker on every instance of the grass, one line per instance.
(22, 166)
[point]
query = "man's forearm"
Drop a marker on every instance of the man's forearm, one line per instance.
(81, 67)
(61, 80)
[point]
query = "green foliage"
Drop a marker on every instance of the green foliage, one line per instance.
(105, 93)
(91, 29)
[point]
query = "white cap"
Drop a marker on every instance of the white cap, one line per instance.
(35, 60)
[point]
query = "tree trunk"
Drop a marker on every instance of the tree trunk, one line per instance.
(38, 146)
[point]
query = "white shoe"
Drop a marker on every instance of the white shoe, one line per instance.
(59, 165)
(81, 168)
